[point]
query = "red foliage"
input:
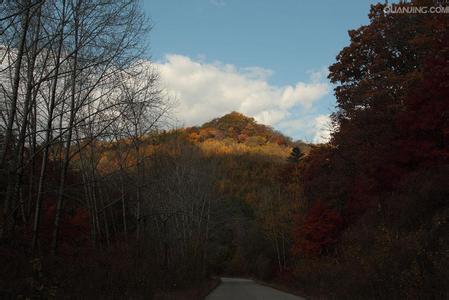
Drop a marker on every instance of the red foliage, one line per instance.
(317, 231)
(74, 228)
(425, 122)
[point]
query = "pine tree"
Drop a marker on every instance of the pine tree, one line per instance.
(296, 155)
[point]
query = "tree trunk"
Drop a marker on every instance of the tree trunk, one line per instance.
(48, 136)
(65, 166)
(16, 81)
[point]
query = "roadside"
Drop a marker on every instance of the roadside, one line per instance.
(195, 293)
(283, 287)
(244, 289)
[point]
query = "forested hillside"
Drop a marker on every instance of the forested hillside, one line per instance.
(181, 204)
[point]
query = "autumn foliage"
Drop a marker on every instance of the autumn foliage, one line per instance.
(318, 231)
(375, 223)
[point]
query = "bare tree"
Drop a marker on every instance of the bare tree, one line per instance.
(73, 72)
(23, 9)
(145, 110)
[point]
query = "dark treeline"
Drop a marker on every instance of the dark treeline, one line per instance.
(100, 200)
(377, 219)
(74, 78)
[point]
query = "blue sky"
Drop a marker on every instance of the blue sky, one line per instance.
(275, 50)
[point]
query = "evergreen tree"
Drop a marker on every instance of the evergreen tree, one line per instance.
(295, 155)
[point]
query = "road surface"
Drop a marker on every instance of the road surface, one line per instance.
(246, 289)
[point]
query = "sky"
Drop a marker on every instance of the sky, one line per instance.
(267, 59)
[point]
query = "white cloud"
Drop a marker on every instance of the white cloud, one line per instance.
(313, 128)
(322, 129)
(257, 73)
(319, 75)
(208, 90)
(303, 93)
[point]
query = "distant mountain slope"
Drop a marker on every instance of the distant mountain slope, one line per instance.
(238, 126)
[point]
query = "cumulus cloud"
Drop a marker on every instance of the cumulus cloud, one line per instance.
(208, 90)
(322, 129)
(315, 128)
(319, 75)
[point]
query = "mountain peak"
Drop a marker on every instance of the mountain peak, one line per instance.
(233, 119)
(240, 128)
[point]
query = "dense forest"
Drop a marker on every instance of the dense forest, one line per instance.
(101, 197)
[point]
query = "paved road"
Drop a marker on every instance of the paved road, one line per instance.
(246, 289)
